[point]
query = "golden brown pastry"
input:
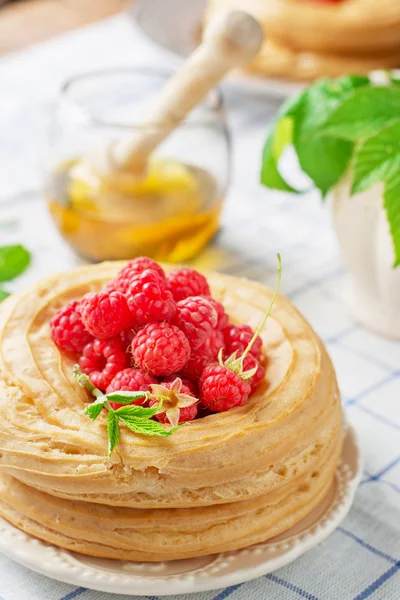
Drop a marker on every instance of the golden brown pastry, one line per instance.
(306, 39)
(221, 482)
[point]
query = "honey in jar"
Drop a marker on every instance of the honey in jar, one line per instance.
(169, 214)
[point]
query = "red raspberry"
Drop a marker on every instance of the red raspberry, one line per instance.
(67, 329)
(250, 362)
(127, 336)
(148, 300)
(160, 349)
(217, 343)
(130, 380)
(105, 314)
(197, 362)
(196, 318)
(221, 389)
(187, 282)
(237, 338)
(222, 316)
(186, 413)
(102, 360)
(134, 267)
(186, 383)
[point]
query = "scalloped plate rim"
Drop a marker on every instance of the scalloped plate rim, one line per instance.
(197, 580)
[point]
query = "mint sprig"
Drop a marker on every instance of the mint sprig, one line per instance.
(14, 260)
(339, 125)
(137, 418)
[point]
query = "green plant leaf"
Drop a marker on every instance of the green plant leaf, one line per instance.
(146, 426)
(136, 411)
(13, 261)
(113, 431)
(392, 207)
(363, 113)
(377, 160)
(279, 137)
(122, 397)
(323, 159)
(94, 409)
(3, 295)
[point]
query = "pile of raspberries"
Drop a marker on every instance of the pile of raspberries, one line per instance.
(148, 327)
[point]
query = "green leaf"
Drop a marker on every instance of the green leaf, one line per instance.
(3, 295)
(392, 207)
(122, 397)
(146, 426)
(113, 431)
(94, 410)
(377, 160)
(136, 411)
(13, 261)
(363, 113)
(323, 159)
(279, 137)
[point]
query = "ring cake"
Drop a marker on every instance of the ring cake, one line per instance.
(220, 482)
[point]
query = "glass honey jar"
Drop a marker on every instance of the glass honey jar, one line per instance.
(168, 213)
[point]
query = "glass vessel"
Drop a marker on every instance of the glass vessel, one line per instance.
(170, 212)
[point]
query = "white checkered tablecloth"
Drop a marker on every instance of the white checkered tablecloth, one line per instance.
(360, 559)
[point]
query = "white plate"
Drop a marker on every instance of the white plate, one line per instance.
(174, 25)
(193, 575)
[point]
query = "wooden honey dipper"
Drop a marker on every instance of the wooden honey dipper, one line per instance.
(231, 40)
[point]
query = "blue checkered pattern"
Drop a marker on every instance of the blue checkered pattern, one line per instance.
(360, 559)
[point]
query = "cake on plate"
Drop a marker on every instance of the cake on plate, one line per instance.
(182, 430)
(305, 39)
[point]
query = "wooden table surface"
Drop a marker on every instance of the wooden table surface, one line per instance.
(28, 21)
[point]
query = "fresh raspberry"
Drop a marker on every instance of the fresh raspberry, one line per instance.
(102, 360)
(187, 282)
(148, 300)
(221, 389)
(217, 343)
(105, 314)
(197, 362)
(196, 318)
(222, 316)
(237, 338)
(160, 349)
(186, 382)
(250, 362)
(127, 336)
(130, 380)
(67, 329)
(134, 267)
(173, 399)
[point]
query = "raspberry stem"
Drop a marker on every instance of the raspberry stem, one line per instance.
(273, 299)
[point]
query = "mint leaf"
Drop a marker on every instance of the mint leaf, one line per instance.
(136, 411)
(146, 426)
(364, 113)
(279, 137)
(378, 160)
(3, 295)
(13, 261)
(392, 207)
(323, 159)
(122, 397)
(113, 431)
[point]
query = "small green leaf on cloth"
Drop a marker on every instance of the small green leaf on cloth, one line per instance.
(13, 261)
